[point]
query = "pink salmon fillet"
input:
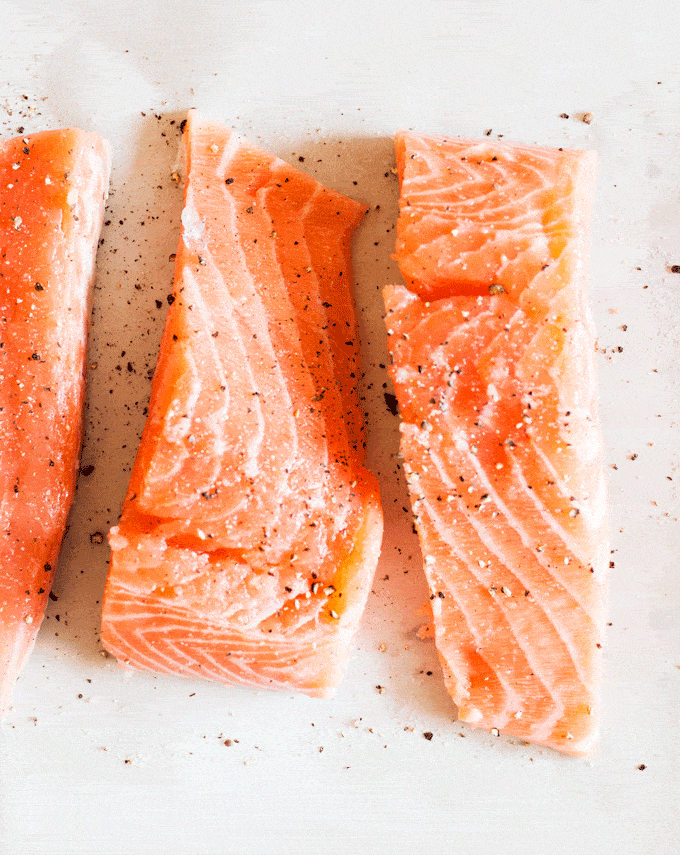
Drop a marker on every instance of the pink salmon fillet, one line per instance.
(53, 186)
(493, 365)
(251, 529)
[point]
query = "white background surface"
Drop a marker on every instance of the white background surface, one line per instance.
(93, 760)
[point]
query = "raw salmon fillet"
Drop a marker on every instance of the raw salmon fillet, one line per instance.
(251, 529)
(52, 191)
(493, 352)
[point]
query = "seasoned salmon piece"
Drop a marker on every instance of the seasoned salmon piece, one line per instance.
(251, 529)
(492, 347)
(53, 186)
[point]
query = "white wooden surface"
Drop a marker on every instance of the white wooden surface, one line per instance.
(94, 760)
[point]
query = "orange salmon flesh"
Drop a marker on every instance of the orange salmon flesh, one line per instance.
(53, 186)
(251, 529)
(493, 366)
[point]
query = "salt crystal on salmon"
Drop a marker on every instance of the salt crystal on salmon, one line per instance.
(493, 366)
(53, 186)
(251, 529)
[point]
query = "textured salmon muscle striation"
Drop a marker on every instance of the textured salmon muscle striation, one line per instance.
(251, 528)
(493, 365)
(53, 186)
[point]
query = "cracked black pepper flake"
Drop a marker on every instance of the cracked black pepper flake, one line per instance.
(391, 403)
(428, 735)
(675, 268)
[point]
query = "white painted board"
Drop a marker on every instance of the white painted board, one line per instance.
(93, 759)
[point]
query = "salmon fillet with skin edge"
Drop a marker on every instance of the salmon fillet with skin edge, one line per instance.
(492, 346)
(251, 529)
(53, 186)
